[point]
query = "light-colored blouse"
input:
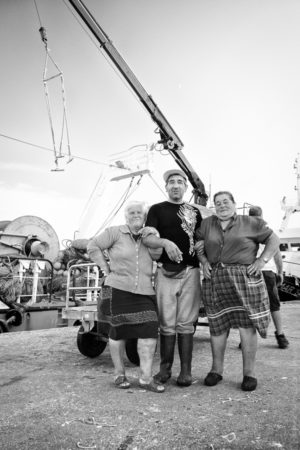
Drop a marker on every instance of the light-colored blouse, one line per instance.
(130, 267)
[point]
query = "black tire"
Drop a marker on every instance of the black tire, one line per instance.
(131, 351)
(90, 344)
(16, 315)
(3, 327)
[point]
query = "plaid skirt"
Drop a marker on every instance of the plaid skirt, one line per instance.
(234, 299)
(129, 315)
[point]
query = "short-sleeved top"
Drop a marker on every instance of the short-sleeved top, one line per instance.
(130, 261)
(176, 222)
(238, 244)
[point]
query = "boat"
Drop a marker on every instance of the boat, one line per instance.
(290, 243)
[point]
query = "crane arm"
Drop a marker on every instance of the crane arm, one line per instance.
(168, 136)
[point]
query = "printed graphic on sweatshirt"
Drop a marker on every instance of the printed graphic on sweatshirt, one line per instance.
(188, 216)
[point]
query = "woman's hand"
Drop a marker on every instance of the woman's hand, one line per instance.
(207, 270)
(255, 267)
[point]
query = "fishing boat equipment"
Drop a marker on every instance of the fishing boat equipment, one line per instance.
(57, 142)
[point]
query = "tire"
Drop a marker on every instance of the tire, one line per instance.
(90, 344)
(131, 351)
(3, 326)
(16, 315)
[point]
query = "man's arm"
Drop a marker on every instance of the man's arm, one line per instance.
(279, 266)
(154, 241)
(199, 247)
(173, 252)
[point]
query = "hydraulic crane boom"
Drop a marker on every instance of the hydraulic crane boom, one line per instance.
(168, 137)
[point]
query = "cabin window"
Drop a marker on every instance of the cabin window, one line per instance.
(295, 247)
(283, 247)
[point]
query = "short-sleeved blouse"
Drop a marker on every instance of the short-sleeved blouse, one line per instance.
(238, 244)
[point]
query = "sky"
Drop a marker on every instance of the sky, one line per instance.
(225, 73)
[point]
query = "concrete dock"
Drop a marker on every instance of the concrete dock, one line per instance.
(54, 398)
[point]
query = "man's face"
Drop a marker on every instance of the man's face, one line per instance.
(176, 187)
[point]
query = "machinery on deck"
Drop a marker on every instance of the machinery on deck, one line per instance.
(28, 247)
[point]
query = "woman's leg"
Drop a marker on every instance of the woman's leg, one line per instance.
(249, 348)
(146, 350)
(117, 350)
(218, 346)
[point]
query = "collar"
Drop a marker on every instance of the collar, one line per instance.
(232, 218)
(175, 203)
(125, 229)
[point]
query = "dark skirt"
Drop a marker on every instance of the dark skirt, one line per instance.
(129, 316)
(234, 299)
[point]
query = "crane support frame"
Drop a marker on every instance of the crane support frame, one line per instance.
(168, 137)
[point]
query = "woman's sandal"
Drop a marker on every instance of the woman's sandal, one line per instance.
(121, 382)
(152, 387)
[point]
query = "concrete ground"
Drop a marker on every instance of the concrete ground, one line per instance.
(54, 398)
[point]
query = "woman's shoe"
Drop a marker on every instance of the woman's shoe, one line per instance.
(121, 382)
(212, 378)
(249, 383)
(152, 386)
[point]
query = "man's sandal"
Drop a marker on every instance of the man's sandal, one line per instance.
(121, 382)
(152, 387)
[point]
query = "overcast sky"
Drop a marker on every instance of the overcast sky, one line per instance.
(225, 73)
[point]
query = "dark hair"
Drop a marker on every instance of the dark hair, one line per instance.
(255, 211)
(224, 193)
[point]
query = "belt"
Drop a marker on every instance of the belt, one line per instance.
(174, 267)
(220, 264)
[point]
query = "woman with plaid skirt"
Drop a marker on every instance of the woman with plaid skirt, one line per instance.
(234, 292)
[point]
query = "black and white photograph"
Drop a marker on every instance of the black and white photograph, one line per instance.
(150, 224)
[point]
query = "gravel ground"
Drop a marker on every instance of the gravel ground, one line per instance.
(54, 398)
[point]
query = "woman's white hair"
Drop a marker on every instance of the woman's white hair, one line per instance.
(135, 203)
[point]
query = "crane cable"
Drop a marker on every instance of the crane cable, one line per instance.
(64, 128)
(73, 156)
(158, 147)
(116, 208)
(128, 192)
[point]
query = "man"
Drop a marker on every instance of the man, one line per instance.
(271, 272)
(177, 281)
